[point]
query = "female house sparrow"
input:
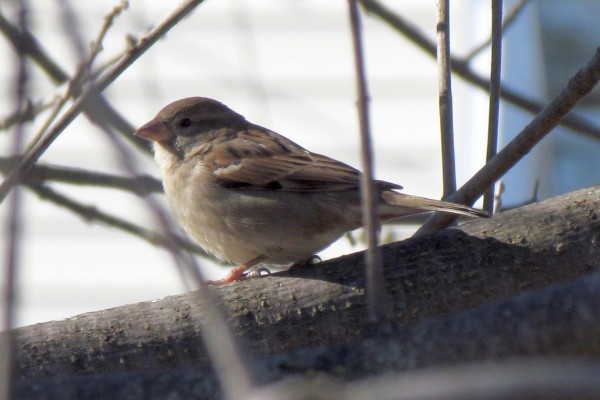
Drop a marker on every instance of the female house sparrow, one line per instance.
(247, 194)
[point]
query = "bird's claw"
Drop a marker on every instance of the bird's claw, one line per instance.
(257, 273)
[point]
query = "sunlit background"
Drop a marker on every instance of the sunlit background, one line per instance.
(286, 65)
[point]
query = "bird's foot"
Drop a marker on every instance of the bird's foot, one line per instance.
(258, 273)
(309, 262)
(239, 273)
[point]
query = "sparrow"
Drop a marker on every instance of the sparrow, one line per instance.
(249, 195)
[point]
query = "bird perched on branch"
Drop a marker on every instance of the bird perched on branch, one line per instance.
(249, 195)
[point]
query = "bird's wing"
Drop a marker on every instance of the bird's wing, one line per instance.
(258, 158)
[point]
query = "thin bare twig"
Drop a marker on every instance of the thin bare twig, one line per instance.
(70, 25)
(445, 97)
(103, 82)
(57, 106)
(494, 111)
(463, 69)
(34, 108)
(376, 297)
(92, 213)
(141, 185)
(25, 43)
(29, 113)
(511, 16)
(577, 88)
(84, 71)
(13, 227)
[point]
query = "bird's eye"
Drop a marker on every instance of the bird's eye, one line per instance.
(185, 122)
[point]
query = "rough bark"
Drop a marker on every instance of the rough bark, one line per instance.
(461, 294)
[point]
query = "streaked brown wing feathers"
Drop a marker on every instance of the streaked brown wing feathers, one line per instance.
(258, 159)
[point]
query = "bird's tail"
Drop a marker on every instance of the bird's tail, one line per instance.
(403, 205)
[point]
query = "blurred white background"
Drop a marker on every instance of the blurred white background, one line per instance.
(286, 65)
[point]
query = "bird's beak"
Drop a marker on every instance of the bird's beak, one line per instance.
(155, 130)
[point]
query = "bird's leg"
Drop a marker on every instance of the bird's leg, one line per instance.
(237, 274)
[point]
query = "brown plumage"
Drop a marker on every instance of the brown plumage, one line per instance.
(248, 194)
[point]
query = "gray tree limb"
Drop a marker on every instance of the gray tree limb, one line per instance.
(519, 284)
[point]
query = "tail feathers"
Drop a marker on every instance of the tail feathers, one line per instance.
(404, 205)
